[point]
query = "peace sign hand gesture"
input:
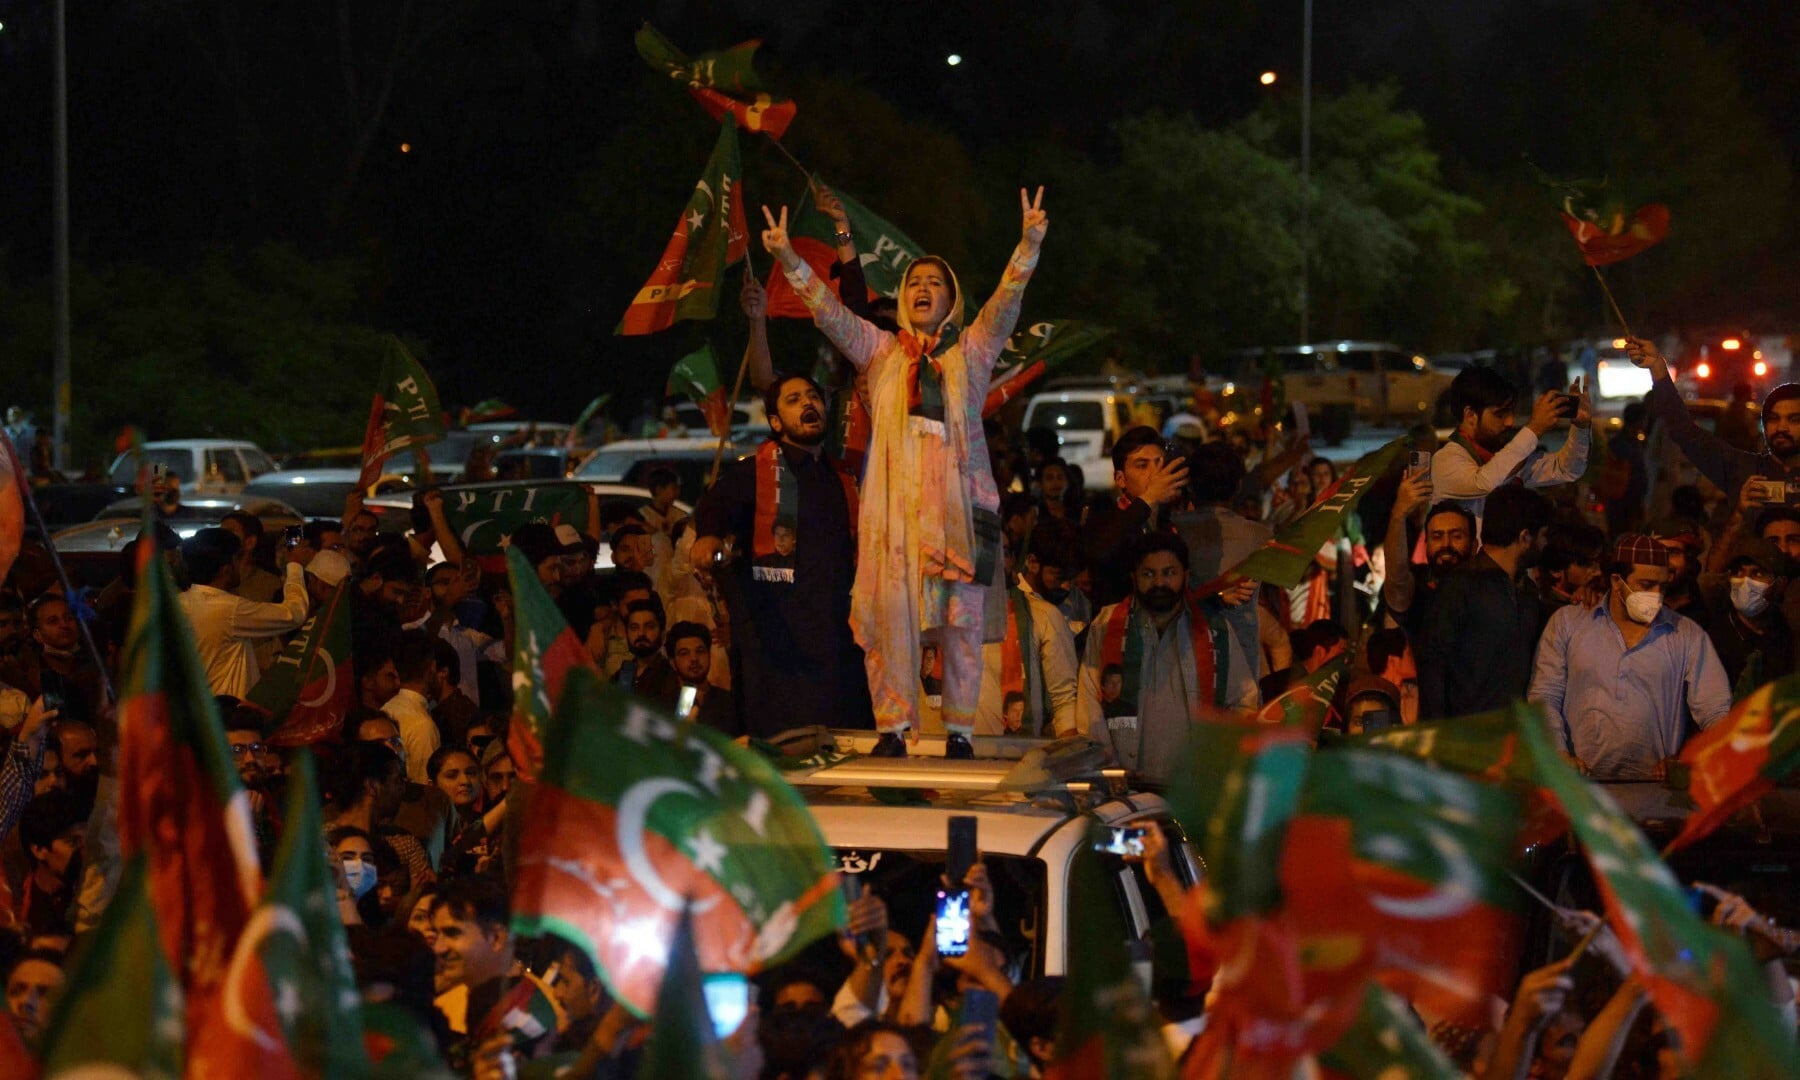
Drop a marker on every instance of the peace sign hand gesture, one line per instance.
(775, 239)
(1036, 220)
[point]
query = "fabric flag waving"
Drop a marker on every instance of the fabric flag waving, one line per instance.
(1604, 230)
(16, 1059)
(1702, 980)
(696, 377)
(1108, 1027)
(683, 1043)
(1031, 352)
(12, 506)
(545, 650)
(883, 250)
(404, 414)
(1732, 764)
(184, 809)
(578, 430)
(309, 688)
(122, 1007)
(1386, 1041)
(1282, 560)
(636, 817)
(484, 515)
(722, 82)
(1307, 704)
(709, 236)
(294, 954)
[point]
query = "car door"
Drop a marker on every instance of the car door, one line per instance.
(1410, 388)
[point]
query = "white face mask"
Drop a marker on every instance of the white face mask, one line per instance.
(1642, 607)
(1750, 596)
(359, 877)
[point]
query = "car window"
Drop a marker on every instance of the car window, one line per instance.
(1068, 415)
(1356, 360)
(608, 464)
(908, 881)
(256, 461)
(224, 465)
(530, 466)
(314, 500)
(179, 462)
(692, 471)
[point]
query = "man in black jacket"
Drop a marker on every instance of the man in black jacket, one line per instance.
(1148, 485)
(1481, 636)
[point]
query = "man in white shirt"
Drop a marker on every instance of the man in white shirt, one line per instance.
(410, 709)
(227, 626)
(1485, 452)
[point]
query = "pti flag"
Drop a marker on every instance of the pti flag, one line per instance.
(1308, 702)
(683, 1043)
(696, 377)
(1282, 560)
(405, 413)
(121, 1012)
(1701, 979)
(545, 650)
(1604, 228)
(1738, 760)
(184, 809)
(1108, 1027)
(484, 515)
(636, 817)
(310, 687)
(882, 249)
(292, 958)
(12, 505)
(1030, 352)
(1385, 1041)
(722, 82)
(709, 236)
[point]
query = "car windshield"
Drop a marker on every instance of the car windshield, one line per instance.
(179, 462)
(908, 881)
(453, 448)
(1067, 415)
(529, 466)
(315, 500)
(607, 464)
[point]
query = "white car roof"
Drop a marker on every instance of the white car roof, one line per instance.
(309, 476)
(200, 444)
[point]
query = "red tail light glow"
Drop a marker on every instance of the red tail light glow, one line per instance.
(1703, 370)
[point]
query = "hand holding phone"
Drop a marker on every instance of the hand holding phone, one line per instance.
(1121, 840)
(953, 923)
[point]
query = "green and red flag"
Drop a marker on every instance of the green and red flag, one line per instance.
(183, 808)
(1605, 227)
(121, 1011)
(1702, 980)
(545, 651)
(578, 430)
(310, 687)
(485, 515)
(636, 817)
(683, 1043)
(1034, 350)
(1402, 871)
(1108, 1027)
(1283, 559)
(404, 415)
(1385, 1041)
(292, 962)
(1739, 759)
(709, 236)
(696, 377)
(526, 1013)
(12, 505)
(882, 248)
(722, 82)
(16, 1059)
(1307, 703)
(486, 410)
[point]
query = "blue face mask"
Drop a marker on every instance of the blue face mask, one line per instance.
(359, 877)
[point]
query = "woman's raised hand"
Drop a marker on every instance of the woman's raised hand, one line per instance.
(1036, 219)
(775, 239)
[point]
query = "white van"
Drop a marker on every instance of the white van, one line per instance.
(1087, 421)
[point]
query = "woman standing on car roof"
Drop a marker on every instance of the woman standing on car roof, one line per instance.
(928, 555)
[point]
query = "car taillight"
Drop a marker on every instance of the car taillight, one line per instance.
(1703, 370)
(1761, 369)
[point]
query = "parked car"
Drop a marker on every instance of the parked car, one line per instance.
(393, 511)
(748, 419)
(1086, 421)
(204, 466)
(320, 493)
(275, 514)
(538, 463)
(1340, 382)
(63, 505)
(629, 461)
(90, 552)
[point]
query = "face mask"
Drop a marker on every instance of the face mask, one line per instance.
(359, 878)
(1750, 596)
(1642, 607)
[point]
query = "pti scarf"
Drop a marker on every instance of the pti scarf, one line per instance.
(1123, 644)
(1482, 455)
(777, 520)
(925, 373)
(1021, 668)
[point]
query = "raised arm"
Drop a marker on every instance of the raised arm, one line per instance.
(1725, 465)
(1567, 464)
(858, 339)
(986, 336)
(1397, 590)
(755, 302)
(853, 287)
(1456, 475)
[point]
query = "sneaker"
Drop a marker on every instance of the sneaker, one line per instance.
(891, 744)
(957, 746)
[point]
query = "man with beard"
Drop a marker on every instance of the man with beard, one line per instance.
(1449, 539)
(1486, 453)
(647, 672)
(1725, 465)
(1682, 536)
(1174, 657)
(64, 670)
(689, 648)
(1476, 650)
(793, 658)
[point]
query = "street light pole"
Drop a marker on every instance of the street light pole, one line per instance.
(1305, 174)
(59, 270)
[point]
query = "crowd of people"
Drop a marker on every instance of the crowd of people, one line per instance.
(890, 560)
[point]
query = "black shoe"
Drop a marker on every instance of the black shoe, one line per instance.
(957, 746)
(891, 744)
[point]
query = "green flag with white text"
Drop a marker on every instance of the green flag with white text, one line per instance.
(1282, 560)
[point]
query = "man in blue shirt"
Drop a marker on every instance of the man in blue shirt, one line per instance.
(1621, 681)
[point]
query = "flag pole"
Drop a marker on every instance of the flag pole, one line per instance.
(810, 184)
(1617, 314)
(736, 388)
(62, 574)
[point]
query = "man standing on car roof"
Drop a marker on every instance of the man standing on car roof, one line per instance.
(790, 510)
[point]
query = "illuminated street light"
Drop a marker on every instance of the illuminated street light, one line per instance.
(1731, 344)
(1267, 78)
(953, 59)
(406, 148)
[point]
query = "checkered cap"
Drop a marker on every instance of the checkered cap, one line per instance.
(1641, 550)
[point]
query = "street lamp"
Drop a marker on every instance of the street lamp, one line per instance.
(1267, 78)
(953, 59)
(1305, 171)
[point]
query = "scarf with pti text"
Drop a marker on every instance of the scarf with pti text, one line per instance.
(775, 535)
(1021, 667)
(1123, 644)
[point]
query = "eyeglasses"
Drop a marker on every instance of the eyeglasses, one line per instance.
(240, 749)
